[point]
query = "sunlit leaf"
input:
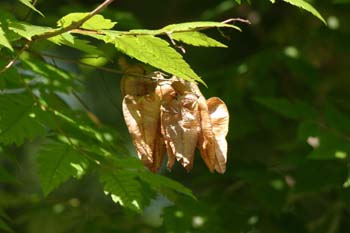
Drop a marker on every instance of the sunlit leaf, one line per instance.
(4, 41)
(154, 51)
(123, 188)
(196, 39)
(306, 6)
(28, 30)
(29, 4)
(96, 22)
(73, 42)
(57, 162)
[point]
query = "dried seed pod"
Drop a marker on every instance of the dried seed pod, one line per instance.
(214, 118)
(141, 109)
(206, 139)
(180, 123)
(219, 118)
(134, 83)
(166, 94)
(142, 117)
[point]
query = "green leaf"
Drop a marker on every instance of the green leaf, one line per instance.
(123, 188)
(308, 128)
(28, 30)
(293, 110)
(154, 51)
(330, 146)
(71, 41)
(96, 22)
(158, 181)
(336, 119)
(19, 119)
(82, 127)
(4, 41)
(53, 78)
(4, 226)
(57, 162)
(306, 6)
(196, 39)
(6, 177)
(29, 4)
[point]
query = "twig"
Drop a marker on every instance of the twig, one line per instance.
(13, 60)
(157, 32)
(181, 48)
(236, 20)
(73, 25)
(56, 33)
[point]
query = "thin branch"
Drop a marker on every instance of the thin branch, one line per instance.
(73, 25)
(13, 60)
(56, 33)
(157, 32)
(181, 48)
(236, 20)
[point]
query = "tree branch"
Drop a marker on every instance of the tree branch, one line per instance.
(73, 25)
(56, 33)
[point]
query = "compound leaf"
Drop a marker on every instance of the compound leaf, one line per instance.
(57, 162)
(19, 119)
(123, 188)
(153, 51)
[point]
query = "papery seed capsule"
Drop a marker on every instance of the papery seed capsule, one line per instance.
(180, 123)
(219, 118)
(141, 109)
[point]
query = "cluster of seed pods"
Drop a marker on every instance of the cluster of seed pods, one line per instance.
(171, 116)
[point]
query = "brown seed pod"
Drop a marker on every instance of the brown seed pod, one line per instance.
(206, 139)
(142, 117)
(173, 115)
(219, 118)
(134, 82)
(180, 122)
(141, 109)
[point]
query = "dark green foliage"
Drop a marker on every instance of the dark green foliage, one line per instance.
(67, 163)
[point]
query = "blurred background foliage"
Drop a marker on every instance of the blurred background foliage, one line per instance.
(285, 79)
